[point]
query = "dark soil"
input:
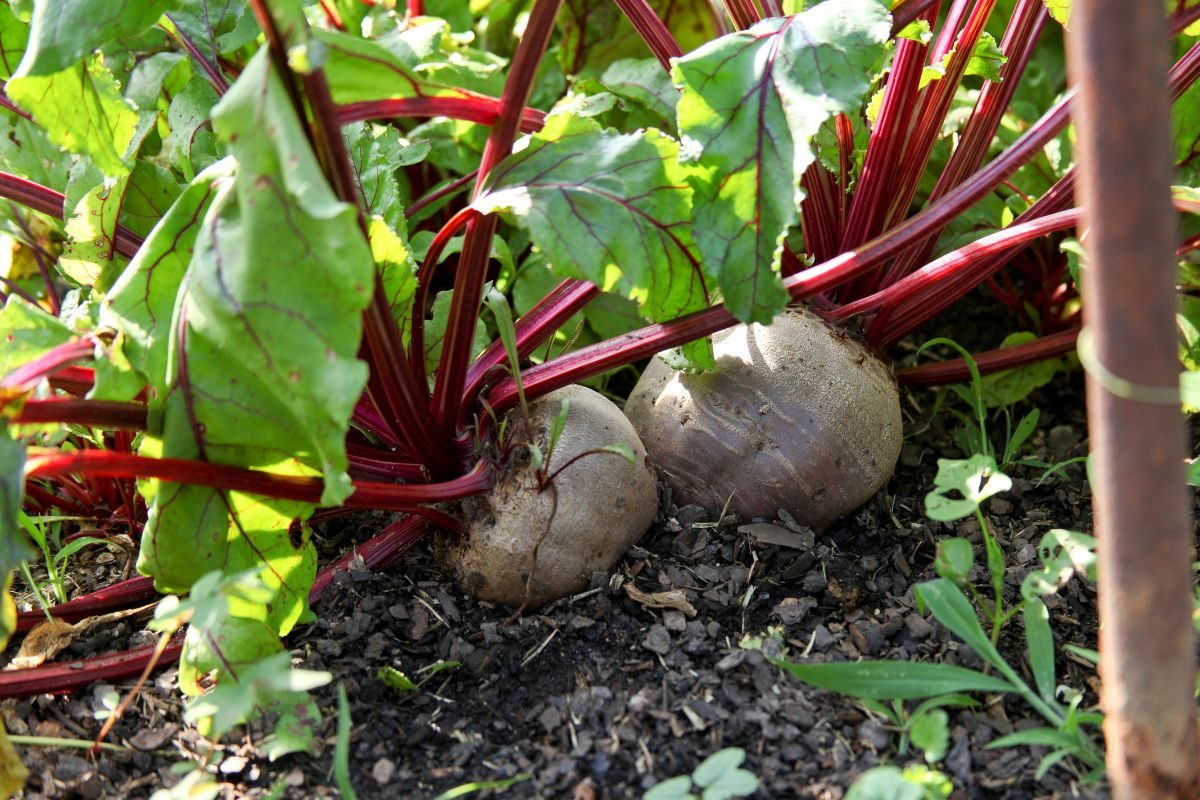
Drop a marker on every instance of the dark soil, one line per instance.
(602, 695)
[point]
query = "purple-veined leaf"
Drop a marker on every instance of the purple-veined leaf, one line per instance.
(26, 150)
(63, 32)
(288, 300)
(89, 257)
(141, 303)
(215, 26)
(639, 83)
(361, 69)
(613, 209)
(82, 110)
(262, 369)
(14, 35)
(187, 120)
(751, 103)
(149, 195)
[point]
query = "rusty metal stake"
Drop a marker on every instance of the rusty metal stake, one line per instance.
(1147, 644)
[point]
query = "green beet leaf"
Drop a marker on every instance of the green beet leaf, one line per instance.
(608, 208)
(90, 258)
(359, 69)
(64, 31)
(193, 529)
(1014, 385)
(215, 26)
(14, 545)
(642, 81)
(14, 35)
(376, 153)
(435, 332)
(26, 150)
(286, 299)
(751, 103)
(142, 301)
(148, 197)
(82, 110)
(28, 332)
(261, 365)
(187, 120)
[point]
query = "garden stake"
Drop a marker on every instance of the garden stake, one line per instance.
(1144, 533)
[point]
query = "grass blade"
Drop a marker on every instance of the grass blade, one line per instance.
(954, 610)
(1041, 646)
(893, 680)
(341, 748)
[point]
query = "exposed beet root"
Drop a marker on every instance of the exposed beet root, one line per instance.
(528, 545)
(796, 416)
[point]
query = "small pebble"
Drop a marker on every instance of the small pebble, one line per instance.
(1062, 439)
(383, 771)
(918, 627)
(793, 610)
(822, 638)
(675, 621)
(1000, 506)
(874, 734)
(550, 718)
(233, 765)
(657, 640)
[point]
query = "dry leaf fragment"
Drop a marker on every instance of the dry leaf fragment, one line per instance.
(673, 598)
(43, 643)
(54, 635)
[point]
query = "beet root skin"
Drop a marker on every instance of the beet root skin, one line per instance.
(797, 416)
(553, 540)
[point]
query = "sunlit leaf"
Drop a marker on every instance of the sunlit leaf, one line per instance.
(83, 111)
(288, 303)
(1063, 554)
(751, 104)
(141, 303)
(90, 257)
(27, 333)
(609, 208)
(64, 31)
(14, 36)
(975, 479)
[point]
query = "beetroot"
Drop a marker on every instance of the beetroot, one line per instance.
(531, 541)
(797, 416)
